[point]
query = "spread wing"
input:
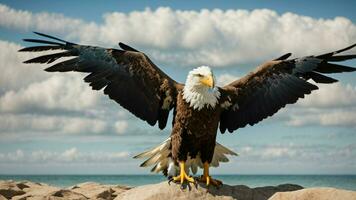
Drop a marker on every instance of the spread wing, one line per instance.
(274, 84)
(128, 76)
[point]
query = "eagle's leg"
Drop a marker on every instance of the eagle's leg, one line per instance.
(183, 175)
(207, 178)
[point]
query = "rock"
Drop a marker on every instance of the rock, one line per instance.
(35, 191)
(316, 194)
(268, 191)
(119, 189)
(98, 191)
(66, 195)
(163, 191)
(9, 189)
(2, 197)
(94, 190)
(26, 190)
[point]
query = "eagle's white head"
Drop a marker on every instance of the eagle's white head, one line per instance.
(200, 90)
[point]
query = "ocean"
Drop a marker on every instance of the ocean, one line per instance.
(337, 181)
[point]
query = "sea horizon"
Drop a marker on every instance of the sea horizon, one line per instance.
(154, 174)
(340, 181)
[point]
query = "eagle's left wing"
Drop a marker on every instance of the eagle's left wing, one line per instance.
(128, 76)
(274, 84)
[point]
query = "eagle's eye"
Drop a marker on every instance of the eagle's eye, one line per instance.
(199, 75)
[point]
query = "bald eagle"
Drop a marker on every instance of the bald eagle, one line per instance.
(199, 107)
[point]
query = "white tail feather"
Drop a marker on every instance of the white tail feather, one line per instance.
(160, 157)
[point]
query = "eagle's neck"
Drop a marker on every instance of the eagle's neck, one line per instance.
(199, 96)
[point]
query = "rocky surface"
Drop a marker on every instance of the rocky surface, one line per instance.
(97, 191)
(163, 191)
(2, 197)
(316, 194)
(25, 190)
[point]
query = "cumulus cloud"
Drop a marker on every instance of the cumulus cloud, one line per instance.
(14, 74)
(215, 37)
(52, 124)
(72, 155)
(25, 20)
(57, 92)
(297, 153)
(225, 79)
(121, 127)
(331, 105)
(275, 152)
(16, 156)
(334, 95)
(268, 152)
(329, 117)
(32, 100)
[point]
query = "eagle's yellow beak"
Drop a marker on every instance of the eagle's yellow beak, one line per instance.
(208, 81)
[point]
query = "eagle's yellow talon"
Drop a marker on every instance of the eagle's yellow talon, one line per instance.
(183, 175)
(207, 178)
(210, 181)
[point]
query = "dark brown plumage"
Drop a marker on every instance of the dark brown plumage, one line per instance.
(131, 79)
(194, 131)
(276, 83)
(128, 76)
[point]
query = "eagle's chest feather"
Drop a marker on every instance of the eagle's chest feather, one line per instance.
(197, 122)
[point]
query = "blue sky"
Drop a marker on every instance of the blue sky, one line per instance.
(54, 123)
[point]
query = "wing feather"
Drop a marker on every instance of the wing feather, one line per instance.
(275, 84)
(159, 157)
(127, 76)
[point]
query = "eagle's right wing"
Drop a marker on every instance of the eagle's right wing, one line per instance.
(275, 84)
(128, 76)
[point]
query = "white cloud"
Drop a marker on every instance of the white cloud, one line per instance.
(40, 156)
(300, 153)
(25, 20)
(52, 124)
(206, 37)
(57, 92)
(339, 118)
(328, 117)
(213, 37)
(71, 155)
(331, 95)
(225, 79)
(268, 152)
(85, 126)
(32, 100)
(121, 126)
(14, 74)
(275, 152)
(331, 105)
(18, 155)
